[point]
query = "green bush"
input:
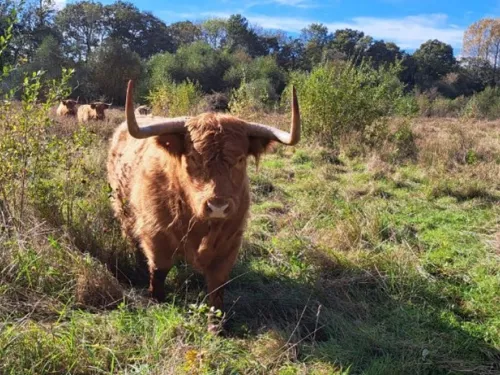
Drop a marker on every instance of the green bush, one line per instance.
(340, 98)
(172, 99)
(259, 69)
(252, 97)
(197, 62)
(481, 105)
(488, 103)
(28, 150)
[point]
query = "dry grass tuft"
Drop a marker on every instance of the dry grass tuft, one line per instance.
(96, 287)
(451, 142)
(379, 168)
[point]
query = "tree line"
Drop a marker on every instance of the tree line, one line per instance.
(109, 44)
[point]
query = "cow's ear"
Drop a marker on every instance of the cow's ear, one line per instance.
(93, 106)
(64, 102)
(257, 146)
(173, 143)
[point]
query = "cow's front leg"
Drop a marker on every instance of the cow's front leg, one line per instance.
(217, 277)
(160, 261)
(157, 283)
(215, 288)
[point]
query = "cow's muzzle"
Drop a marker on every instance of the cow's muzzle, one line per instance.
(218, 208)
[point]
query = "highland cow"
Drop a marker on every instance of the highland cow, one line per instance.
(67, 108)
(181, 190)
(142, 110)
(94, 111)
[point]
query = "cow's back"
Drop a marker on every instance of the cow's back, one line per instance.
(124, 171)
(83, 113)
(61, 110)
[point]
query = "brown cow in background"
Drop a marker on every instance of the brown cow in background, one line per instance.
(67, 108)
(94, 111)
(142, 110)
(181, 190)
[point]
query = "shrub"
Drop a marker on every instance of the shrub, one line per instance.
(338, 98)
(28, 152)
(259, 69)
(172, 99)
(488, 103)
(216, 102)
(404, 141)
(251, 97)
(197, 62)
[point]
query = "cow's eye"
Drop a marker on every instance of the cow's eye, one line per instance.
(241, 161)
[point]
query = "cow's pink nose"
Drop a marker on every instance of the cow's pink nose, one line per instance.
(218, 207)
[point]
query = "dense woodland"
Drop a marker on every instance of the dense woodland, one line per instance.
(109, 44)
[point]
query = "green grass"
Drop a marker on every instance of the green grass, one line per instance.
(346, 268)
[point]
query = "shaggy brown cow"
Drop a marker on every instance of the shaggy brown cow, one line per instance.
(67, 108)
(181, 190)
(142, 110)
(94, 111)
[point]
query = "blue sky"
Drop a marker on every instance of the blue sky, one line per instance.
(409, 23)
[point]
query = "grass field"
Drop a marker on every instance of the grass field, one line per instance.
(385, 262)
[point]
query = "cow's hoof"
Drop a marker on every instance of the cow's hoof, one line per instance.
(214, 329)
(215, 324)
(158, 296)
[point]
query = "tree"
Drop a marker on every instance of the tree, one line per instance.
(142, 32)
(49, 58)
(315, 39)
(33, 25)
(351, 43)
(184, 32)
(482, 40)
(240, 36)
(291, 53)
(382, 53)
(264, 68)
(214, 32)
(196, 61)
(110, 67)
(477, 72)
(83, 28)
(434, 60)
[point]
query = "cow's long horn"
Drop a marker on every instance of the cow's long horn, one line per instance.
(152, 127)
(266, 131)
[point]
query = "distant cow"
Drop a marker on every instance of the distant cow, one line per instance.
(142, 110)
(67, 108)
(94, 111)
(181, 190)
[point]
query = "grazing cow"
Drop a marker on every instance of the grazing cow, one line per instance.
(142, 110)
(67, 108)
(94, 111)
(181, 190)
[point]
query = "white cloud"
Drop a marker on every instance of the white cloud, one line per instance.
(59, 4)
(291, 3)
(247, 4)
(408, 32)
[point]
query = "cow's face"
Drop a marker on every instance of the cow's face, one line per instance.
(70, 105)
(143, 110)
(99, 109)
(213, 157)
